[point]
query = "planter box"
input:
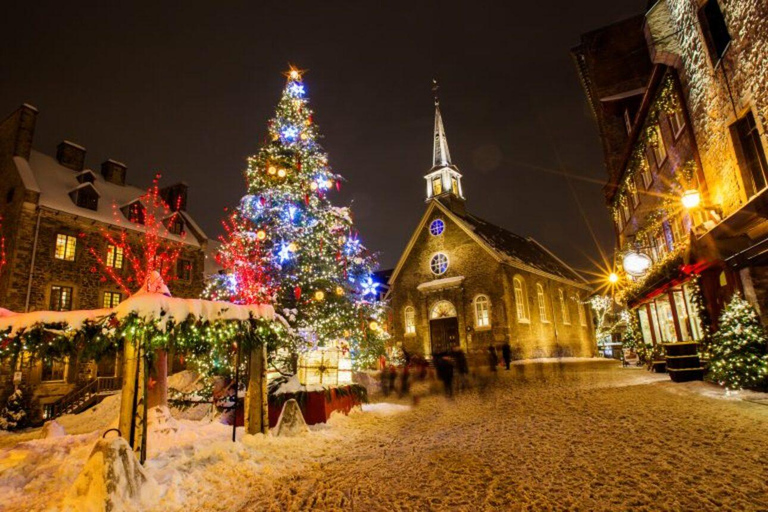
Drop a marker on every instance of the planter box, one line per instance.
(316, 406)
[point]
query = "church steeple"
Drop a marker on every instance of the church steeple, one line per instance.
(443, 179)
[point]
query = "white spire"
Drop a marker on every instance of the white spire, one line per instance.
(441, 155)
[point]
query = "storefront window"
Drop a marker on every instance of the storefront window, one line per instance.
(655, 322)
(695, 321)
(645, 327)
(666, 320)
(682, 315)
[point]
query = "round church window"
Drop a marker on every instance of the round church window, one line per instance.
(439, 264)
(437, 227)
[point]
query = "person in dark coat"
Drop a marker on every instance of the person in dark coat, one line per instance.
(392, 378)
(493, 358)
(506, 354)
(384, 380)
(405, 385)
(462, 367)
(444, 367)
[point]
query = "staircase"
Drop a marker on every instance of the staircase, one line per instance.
(683, 362)
(82, 398)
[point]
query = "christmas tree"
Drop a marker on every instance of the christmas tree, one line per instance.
(738, 348)
(287, 244)
(14, 416)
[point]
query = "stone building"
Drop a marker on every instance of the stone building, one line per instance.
(55, 210)
(462, 281)
(687, 178)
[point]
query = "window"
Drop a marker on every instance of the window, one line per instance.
(86, 197)
(65, 247)
(521, 300)
(582, 312)
(482, 312)
(750, 154)
(52, 370)
(661, 244)
(455, 186)
(111, 299)
(9, 195)
(678, 230)
(626, 211)
(437, 186)
(184, 270)
(715, 30)
(114, 256)
(657, 146)
(564, 307)
(677, 122)
(645, 172)
(542, 303)
(437, 227)
(61, 298)
(627, 121)
(439, 264)
(633, 194)
(176, 226)
(136, 213)
(410, 320)
(619, 223)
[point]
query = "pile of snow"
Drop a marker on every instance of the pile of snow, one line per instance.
(52, 429)
(112, 479)
(291, 422)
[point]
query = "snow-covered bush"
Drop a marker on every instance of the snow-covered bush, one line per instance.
(14, 414)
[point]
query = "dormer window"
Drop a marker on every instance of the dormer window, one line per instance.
(135, 212)
(85, 196)
(86, 176)
(176, 225)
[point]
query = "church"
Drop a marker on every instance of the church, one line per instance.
(464, 281)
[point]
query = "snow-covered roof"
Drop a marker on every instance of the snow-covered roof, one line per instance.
(149, 306)
(54, 182)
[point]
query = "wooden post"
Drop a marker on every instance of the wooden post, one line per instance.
(133, 412)
(158, 390)
(256, 407)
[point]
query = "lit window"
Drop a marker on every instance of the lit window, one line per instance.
(750, 154)
(114, 256)
(437, 186)
(176, 226)
(582, 313)
(634, 195)
(61, 298)
(65, 247)
(646, 171)
(658, 147)
(564, 307)
(184, 270)
(439, 264)
(542, 303)
(455, 186)
(111, 299)
(521, 301)
(437, 227)
(482, 311)
(410, 320)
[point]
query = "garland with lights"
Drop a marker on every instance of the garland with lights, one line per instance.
(739, 349)
(666, 269)
(286, 243)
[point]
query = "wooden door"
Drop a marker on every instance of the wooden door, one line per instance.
(444, 334)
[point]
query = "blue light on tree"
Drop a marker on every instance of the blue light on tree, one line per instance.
(369, 287)
(296, 89)
(290, 133)
(284, 254)
(352, 246)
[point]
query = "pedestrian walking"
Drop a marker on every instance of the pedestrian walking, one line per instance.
(392, 378)
(493, 358)
(445, 372)
(462, 367)
(506, 354)
(405, 385)
(384, 380)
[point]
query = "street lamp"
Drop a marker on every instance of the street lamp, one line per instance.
(691, 198)
(613, 277)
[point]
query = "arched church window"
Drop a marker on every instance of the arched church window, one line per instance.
(410, 320)
(482, 311)
(442, 309)
(439, 264)
(521, 299)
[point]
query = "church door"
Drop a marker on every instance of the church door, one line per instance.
(444, 334)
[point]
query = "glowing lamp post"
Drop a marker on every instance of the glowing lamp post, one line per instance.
(613, 277)
(691, 199)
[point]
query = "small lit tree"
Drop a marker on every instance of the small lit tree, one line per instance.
(738, 348)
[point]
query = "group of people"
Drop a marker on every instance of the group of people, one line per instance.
(451, 367)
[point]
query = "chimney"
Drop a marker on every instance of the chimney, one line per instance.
(114, 172)
(175, 196)
(71, 155)
(20, 129)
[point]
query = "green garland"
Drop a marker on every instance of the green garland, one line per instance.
(667, 269)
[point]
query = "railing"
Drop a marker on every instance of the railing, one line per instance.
(71, 401)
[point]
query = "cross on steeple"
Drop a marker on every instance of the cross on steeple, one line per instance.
(443, 179)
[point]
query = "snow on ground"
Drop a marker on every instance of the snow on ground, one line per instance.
(567, 435)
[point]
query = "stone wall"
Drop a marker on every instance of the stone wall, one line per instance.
(717, 97)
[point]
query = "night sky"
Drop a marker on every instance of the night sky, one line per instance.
(187, 88)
